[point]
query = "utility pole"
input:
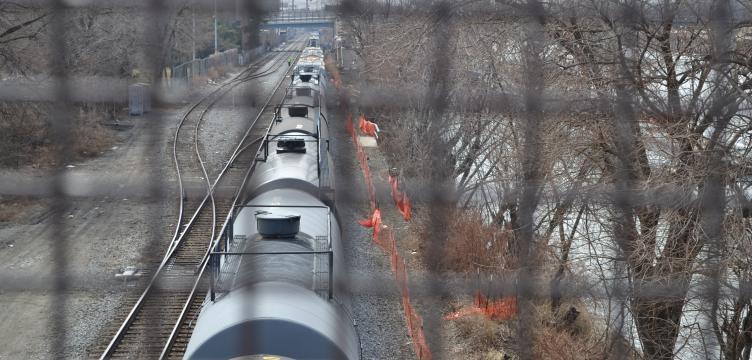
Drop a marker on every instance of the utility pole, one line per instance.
(216, 43)
(193, 36)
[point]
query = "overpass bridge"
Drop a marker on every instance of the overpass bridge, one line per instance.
(299, 19)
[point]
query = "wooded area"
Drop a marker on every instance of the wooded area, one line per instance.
(606, 143)
(108, 44)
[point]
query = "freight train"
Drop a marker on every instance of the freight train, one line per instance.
(275, 282)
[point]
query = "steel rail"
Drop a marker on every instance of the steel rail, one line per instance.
(188, 227)
(181, 189)
(202, 266)
(175, 242)
(210, 186)
(227, 87)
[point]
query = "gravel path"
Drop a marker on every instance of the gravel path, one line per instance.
(379, 316)
(103, 234)
(430, 303)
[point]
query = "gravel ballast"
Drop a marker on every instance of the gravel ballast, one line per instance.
(379, 315)
(103, 234)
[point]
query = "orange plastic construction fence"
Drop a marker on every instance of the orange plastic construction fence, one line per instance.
(414, 322)
(384, 237)
(504, 308)
(367, 127)
(373, 222)
(400, 199)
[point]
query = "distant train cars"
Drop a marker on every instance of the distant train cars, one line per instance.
(310, 67)
(275, 281)
(313, 40)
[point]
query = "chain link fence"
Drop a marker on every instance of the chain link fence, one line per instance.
(606, 152)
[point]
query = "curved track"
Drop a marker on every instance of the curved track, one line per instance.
(193, 178)
(237, 171)
(155, 327)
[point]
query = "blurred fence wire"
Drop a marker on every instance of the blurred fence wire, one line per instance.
(658, 92)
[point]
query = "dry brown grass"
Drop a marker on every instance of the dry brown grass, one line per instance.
(471, 244)
(22, 131)
(482, 338)
(11, 207)
(7, 211)
(216, 72)
(26, 135)
(476, 337)
(479, 332)
(91, 140)
(555, 340)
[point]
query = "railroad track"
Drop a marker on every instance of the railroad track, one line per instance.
(189, 165)
(240, 169)
(156, 326)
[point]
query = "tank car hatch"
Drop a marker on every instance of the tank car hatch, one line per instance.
(277, 225)
(297, 111)
(291, 145)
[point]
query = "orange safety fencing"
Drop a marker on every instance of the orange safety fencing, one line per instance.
(374, 222)
(504, 308)
(367, 127)
(383, 235)
(363, 161)
(385, 240)
(400, 199)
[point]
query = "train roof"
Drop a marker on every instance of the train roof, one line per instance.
(306, 78)
(302, 94)
(290, 124)
(273, 311)
(303, 86)
(310, 60)
(312, 50)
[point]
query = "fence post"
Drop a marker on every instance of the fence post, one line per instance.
(331, 274)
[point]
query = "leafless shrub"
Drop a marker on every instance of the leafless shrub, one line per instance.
(480, 335)
(90, 137)
(472, 244)
(25, 132)
(569, 332)
(11, 207)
